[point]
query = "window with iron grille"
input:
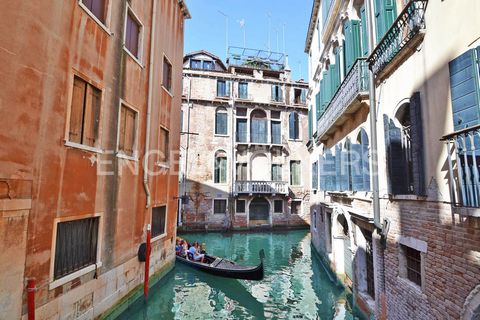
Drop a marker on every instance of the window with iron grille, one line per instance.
(413, 265)
(84, 113)
(240, 208)
(220, 206)
(75, 246)
(132, 34)
(278, 206)
(369, 258)
(167, 74)
(159, 215)
(97, 7)
(128, 130)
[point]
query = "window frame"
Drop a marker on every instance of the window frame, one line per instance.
(164, 234)
(119, 153)
(300, 209)
(300, 174)
(108, 11)
(138, 59)
(67, 142)
(213, 206)
(275, 201)
(166, 161)
(215, 156)
(407, 243)
(221, 110)
(72, 276)
(166, 59)
(244, 206)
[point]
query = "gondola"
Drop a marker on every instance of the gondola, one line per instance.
(226, 268)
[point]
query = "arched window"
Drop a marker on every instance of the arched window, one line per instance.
(221, 119)
(258, 127)
(360, 163)
(220, 170)
(294, 126)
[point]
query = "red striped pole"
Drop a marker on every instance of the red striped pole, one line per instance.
(147, 262)
(31, 298)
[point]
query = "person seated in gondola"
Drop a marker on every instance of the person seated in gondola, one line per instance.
(178, 248)
(195, 253)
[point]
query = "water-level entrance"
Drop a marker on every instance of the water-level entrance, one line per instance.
(259, 211)
(296, 285)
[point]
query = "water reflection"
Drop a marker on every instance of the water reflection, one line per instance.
(296, 285)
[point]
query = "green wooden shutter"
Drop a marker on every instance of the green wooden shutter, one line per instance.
(385, 15)
(352, 43)
(317, 102)
(347, 31)
(364, 30)
(310, 124)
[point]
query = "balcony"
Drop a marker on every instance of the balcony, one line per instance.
(463, 157)
(400, 41)
(346, 101)
(261, 187)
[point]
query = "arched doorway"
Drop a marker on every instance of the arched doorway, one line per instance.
(259, 211)
(342, 246)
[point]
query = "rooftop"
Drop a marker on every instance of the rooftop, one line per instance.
(256, 59)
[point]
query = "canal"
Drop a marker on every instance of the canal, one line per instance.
(296, 285)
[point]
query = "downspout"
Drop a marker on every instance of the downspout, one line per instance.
(149, 105)
(373, 122)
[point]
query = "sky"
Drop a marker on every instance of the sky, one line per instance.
(206, 29)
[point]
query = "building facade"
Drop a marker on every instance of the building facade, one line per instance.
(421, 258)
(87, 99)
(243, 143)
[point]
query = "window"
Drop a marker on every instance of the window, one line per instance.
(369, 262)
(353, 46)
(275, 114)
(276, 172)
(293, 126)
(75, 246)
(315, 175)
(258, 127)
(219, 206)
(84, 113)
(277, 93)
(278, 206)
(132, 34)
(220, 170)
(240, 208)
(295, 178)
(276, 131)
(221, 119)
(241, 130)
(223, 88)
(164, 145)
(412, 264)
(242, 172)
(208, 65)
(98, 8)
(296, 206)
(195, 64)
(128, 131)
(167, 75)
(243, 90)
(158, 220)
(359, 163)
(299, 96)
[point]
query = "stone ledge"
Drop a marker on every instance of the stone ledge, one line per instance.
(14, 205)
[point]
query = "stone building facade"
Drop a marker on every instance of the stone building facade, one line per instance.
(243, 155)
(86, 89)
(422, 260)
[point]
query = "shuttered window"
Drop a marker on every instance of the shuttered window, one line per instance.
(221, 119)
(167, 74)
(241, 130)
(128, 130)
(220, 206)
(293, 126)
(385, 15)
(243, 90)
(310, 123)
(276, 131)
(240, 206)
(364, 31)
(277, 93)
(318, 108)
(220, 170)
(164, 154)
(353, 49)
(465, 89)
(295, 173)
(258, 127)
(223, 88)
(132, 34)
(97, 7)
(84, 113)
(276, 172)
(159, 215)
(75, 246)
(315, 175)
(328, 175)
(242, 172)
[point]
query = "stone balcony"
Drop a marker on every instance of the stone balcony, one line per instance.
(260, 187)
(400, 41)
(346, 101)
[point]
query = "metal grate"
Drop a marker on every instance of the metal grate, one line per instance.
(158, 220)
(413, 265)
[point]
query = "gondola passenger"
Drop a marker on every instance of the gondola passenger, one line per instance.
(197, 256)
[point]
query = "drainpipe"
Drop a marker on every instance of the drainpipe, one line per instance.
(373, 121)
(149, 105)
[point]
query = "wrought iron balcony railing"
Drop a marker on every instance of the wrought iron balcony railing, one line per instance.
(406, 32)
(354, 85)
(262, 187)
(463, 157)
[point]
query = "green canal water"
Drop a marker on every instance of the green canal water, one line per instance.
(296, 284)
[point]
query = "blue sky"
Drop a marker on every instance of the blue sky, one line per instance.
(206, 29)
